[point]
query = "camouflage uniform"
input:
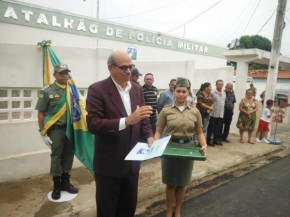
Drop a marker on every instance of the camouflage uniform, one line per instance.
(61, 152)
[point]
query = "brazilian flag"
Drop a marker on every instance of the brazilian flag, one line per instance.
(73, 104)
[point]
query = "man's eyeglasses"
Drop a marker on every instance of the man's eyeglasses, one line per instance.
(125, 68)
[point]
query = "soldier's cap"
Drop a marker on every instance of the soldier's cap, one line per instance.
(136, 72)
(182, 82)
(61, 68)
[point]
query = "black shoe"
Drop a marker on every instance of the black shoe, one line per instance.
(211, 144)
(215, 143)
(226, 140)
(220, 143)
(55, 194)
(70, 189)
(66, 185)
(56, 188)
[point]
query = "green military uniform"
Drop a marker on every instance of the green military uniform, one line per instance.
(180, 124)
(61, 152)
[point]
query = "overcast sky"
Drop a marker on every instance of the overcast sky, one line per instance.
(216, 22)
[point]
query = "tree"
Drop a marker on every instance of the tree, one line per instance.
(254, 41)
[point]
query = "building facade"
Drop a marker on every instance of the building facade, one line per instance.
(84, 44)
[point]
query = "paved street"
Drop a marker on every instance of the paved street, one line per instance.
(264, 192)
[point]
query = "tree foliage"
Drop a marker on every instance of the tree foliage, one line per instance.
(254, 41)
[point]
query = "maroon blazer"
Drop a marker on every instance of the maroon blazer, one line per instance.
(105, 108)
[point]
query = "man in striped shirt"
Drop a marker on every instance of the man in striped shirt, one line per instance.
(150, 95)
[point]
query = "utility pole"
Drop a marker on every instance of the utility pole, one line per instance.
(98, 22)
(275, 51)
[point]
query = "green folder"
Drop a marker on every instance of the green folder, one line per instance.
(181, 151)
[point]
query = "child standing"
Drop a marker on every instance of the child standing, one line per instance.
(263, 127)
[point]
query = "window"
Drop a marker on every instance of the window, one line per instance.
(15, 93)
(3, 93)
(17, 104)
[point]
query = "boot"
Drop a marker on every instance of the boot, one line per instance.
(56, 188)
(66, 185)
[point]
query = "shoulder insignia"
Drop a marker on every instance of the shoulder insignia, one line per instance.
(43, 88)
(168, 105)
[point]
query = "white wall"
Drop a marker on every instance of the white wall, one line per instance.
(165, 71)
(21, 65)
(260, 84)
(200, 76)
(31, 36)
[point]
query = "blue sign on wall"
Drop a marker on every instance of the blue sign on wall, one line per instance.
(132, 52)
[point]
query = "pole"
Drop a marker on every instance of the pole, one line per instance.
(184, 27)
(98, 22)
(275, 51)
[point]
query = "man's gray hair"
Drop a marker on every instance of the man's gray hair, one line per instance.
(111, 60)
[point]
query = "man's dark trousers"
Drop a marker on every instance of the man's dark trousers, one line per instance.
(227, 120)
(153, 124)
(214, 128)
(114, 190)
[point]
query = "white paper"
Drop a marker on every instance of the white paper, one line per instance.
(142, 151)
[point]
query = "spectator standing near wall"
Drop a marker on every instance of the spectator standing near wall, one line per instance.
(216, 117)
(262, 96)
(229, 111)
(150, 95)
(135, 74)
(247, 117)
(166, 97)
(254, 90)
(263, 128)
(205, 104)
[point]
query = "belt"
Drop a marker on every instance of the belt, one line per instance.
(180, 140)
(56, 126)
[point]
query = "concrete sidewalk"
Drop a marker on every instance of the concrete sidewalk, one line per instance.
(28, 197)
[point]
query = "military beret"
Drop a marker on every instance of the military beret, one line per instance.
(182, 82)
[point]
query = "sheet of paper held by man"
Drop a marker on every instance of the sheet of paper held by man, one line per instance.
(142, 151)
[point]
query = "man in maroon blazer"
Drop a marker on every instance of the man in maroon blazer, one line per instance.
(118, 117)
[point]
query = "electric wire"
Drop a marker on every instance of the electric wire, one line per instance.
(148, 11)
(251, 17)
(195, 17)
(245, 15)
(235, 23)
(266, 22)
